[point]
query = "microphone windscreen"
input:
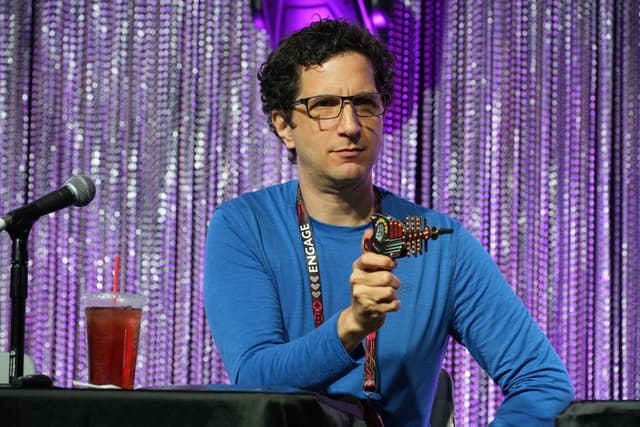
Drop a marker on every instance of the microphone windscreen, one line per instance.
(82, 188)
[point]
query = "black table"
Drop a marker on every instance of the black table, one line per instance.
(173, 406)
(601, 413)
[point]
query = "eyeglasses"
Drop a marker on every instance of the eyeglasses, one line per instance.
(324, 107)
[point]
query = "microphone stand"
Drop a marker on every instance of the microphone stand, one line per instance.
(19, 258)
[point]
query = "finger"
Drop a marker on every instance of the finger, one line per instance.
(375, 278)
(366, 240)
(371, 261)
(380, 307)
(386, 307)
(372, 295)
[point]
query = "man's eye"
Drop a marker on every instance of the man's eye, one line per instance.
(365, 101)
(327, 102)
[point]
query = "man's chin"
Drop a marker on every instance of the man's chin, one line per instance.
(350, 177)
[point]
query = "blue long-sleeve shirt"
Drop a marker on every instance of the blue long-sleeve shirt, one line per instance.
(258, 303)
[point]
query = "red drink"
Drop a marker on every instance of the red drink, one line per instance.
(113, 344)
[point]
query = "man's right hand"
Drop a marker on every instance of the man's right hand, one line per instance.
(373, 295)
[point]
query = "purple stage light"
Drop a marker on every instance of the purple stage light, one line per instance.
(379, 19)
(279, 18)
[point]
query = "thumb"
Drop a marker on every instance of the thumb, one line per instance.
(366, 240)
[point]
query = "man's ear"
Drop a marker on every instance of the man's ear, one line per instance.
(283, 128)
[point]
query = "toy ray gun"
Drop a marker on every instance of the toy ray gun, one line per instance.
(397, 239)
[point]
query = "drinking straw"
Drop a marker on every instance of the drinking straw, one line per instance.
(116, 273)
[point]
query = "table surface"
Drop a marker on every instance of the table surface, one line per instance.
(601, 413)
(217, 405)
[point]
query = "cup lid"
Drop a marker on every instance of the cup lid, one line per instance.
(110, 299)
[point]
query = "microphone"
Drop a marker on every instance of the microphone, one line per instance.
(79, 190)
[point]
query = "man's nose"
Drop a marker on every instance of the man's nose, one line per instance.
(349, 120)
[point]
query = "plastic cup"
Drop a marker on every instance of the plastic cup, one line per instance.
(113, 329)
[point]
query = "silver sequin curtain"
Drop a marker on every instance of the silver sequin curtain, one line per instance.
(519, 118)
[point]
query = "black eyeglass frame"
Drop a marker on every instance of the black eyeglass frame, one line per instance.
(305, 101)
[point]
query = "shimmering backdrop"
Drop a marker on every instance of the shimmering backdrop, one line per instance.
(519, 118)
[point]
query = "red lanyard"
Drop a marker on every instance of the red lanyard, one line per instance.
(369, 382)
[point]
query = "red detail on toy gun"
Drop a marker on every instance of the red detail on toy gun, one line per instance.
(397, 239)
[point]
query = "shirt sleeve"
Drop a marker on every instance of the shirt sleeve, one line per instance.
(501, 335)
(244, 312)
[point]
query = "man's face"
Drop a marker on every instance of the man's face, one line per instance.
(340, 152)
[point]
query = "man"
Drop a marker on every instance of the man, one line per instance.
(293, 296)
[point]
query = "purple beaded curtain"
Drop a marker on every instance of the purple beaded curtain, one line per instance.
(535, 148)
(516, 117)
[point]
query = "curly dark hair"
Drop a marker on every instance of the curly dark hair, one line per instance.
(313, 45)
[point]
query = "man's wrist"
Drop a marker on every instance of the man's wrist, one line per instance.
(350, 332)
